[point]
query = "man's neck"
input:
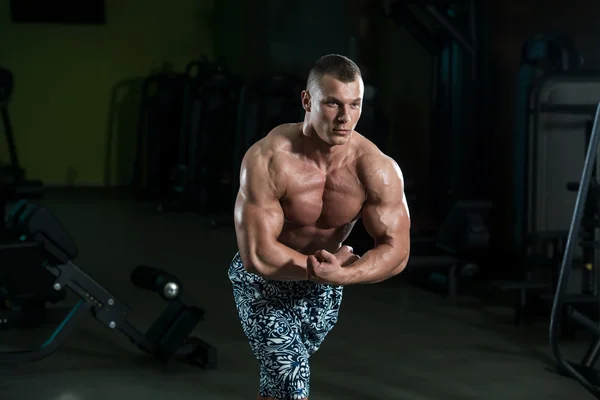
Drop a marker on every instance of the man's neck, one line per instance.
(323, 155)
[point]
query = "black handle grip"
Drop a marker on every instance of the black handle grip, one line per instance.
(155, 280)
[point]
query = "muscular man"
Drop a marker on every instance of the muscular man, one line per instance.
(302, 189)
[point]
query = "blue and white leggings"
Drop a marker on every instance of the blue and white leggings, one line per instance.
(285, 322)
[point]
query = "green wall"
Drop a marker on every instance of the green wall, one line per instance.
(68, 76)
(65, 75)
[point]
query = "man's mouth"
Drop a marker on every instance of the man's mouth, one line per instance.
(343, 131)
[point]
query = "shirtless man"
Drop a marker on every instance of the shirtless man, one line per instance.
(302, 189)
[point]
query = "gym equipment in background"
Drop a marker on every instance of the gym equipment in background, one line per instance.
(555, 103)
(13, 170)
(545, 58)
(459, 131)
(13, 182)
(550, 152)
(264, 103)
(373, 123)
(23, 300)
(12, 190)
(166, 339)
(27, 298)
(462, 244)
(158, 136)
(562, 109)
(203, 176)
(584, 371)
(14, 186)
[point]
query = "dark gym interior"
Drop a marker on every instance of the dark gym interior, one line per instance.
(123, 126)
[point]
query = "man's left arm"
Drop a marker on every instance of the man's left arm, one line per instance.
(386, 219)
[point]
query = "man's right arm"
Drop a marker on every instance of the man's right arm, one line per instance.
(259, 220)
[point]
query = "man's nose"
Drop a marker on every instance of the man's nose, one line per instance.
(343, 116)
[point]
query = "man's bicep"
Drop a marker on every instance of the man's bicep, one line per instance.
(385, 212)
(386, 221)
(258, 213)
(257, 226)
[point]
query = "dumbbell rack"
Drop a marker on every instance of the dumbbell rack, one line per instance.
(167, 338)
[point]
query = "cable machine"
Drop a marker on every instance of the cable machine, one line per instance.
(456, 45)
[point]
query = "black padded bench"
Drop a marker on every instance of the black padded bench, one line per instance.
(166, 339)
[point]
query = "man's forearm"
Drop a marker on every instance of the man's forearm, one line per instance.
(378, 264)
(279, 262)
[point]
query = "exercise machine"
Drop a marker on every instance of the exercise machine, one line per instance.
(13, 169)
(560, 113)
(545, 59)
(27, 297)
(555, 105)
(13, 182)
(584, 371)
(202, 178)
(21, 306)
(184, 117)
(158, 128)
(457, 46)
(11, 191)
(168, 338)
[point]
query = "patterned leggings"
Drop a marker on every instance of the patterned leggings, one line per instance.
(285, 323)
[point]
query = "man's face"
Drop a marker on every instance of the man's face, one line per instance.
(334, 108)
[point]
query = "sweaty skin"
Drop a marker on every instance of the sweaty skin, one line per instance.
(304, 186)
(290, 206)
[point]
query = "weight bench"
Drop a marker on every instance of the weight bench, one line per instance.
(168, 336)
(26, 291)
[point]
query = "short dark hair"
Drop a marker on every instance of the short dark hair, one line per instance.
(340, 67)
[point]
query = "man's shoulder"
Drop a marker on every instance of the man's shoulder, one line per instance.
(279, 139)
(374, 166)
(269, 154)
(369, 156)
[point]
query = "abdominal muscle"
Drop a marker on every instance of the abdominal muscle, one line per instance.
(309, 239)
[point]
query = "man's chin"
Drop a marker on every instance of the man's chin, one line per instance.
(337, 140)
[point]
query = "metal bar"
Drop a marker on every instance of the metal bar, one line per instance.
(447, 24)
(473, 27)
(136, 337)
(10, 139)
(53, 342)
(584, 321)
(590, 358)
(473, 9)
(404, 17)
(567, 261)
(579, 109)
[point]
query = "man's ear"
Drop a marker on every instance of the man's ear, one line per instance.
(306, 100)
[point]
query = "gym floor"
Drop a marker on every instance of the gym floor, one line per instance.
(392, 341)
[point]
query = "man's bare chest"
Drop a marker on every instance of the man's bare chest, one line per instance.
(329, 200)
